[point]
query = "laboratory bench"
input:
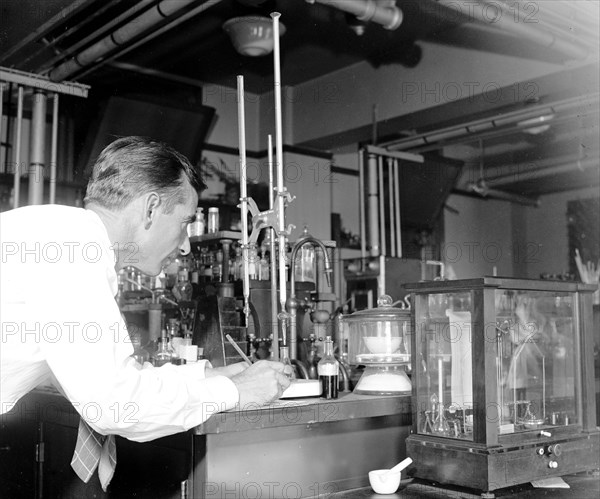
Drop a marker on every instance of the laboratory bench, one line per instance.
(291, 448)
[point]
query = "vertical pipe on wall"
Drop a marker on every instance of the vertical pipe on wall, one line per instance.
(17, 156)
(361, 203)
(54, 150)
(382, 231)
(37, 147)
(373, 205)
(391, 206)
(397, 204)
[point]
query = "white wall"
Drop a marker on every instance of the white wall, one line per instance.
(305, 179)
(478, 237)
(520, 241)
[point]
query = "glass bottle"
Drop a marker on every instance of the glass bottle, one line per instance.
(183, 289)
(328, 369)
(164, 353)
(175, 338)
(311, 359)
(252, 261)
(196, 228)
(264, 266)
(217, 267)
(213, 220)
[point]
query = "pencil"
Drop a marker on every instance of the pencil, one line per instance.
(238, 349)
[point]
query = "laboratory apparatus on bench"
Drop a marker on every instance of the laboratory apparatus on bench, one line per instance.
(503, 381)
(379, 339)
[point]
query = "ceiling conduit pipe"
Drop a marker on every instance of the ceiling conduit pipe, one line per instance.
(498, 15)
(509, 119)
(523, 172)
(146, 21)
(384, 13)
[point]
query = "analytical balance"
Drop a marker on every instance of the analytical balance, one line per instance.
(379, 339)
(503, 381)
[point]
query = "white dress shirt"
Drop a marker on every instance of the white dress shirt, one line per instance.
(60, 320)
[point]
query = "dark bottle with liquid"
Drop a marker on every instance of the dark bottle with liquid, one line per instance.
(328, 369)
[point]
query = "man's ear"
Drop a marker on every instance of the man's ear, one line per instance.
(151, 203)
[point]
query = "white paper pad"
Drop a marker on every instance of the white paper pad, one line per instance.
(303, 388)
(554, 482)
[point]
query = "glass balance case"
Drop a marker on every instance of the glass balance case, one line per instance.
(503, 381)
(379, 339)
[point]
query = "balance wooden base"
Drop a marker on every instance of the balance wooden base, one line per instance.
(462, 463)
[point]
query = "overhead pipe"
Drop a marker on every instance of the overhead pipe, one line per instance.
(106, 28)
(555, 166)
(384, 13)
(126, 33)
(476, 127)
(72, 9)
(153, 34)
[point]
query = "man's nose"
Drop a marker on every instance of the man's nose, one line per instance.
(184, 247)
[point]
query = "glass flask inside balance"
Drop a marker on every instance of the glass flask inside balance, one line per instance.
(379, 340)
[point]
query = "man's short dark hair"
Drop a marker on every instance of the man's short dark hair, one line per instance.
(130, 167)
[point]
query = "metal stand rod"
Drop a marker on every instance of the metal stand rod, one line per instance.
(243, 195)
(272, 249)
(279, 163)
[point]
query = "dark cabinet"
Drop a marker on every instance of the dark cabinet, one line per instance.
(37, 440)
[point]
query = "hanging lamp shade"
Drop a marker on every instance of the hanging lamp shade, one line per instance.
(252, 35)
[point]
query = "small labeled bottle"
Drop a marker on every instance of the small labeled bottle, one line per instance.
(253, 261)
(213, 220)
(328, 369)
(196, 228)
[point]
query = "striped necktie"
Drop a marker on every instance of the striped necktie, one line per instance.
(94, 451)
